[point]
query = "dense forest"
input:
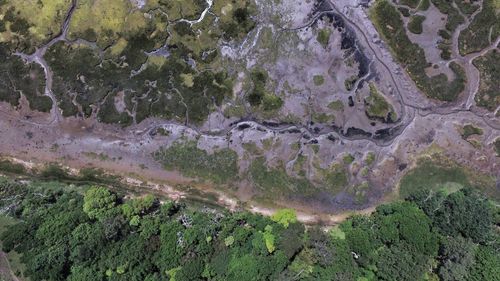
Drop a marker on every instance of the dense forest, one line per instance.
(64, 232)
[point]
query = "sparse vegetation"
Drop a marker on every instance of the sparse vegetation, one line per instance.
(275, 181)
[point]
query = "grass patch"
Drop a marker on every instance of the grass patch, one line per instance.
(335, 178)
(271, 102)
(218, 167)
(443, 174)
(348, 159)
(369, 158)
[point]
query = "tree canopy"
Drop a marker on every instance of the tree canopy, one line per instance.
(91, 233)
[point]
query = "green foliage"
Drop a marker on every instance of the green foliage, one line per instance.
(464, 213)
(220, 166)
(59, 241)
(458, 258)
(269, 238)
(98, 201)
(259, 80)
(285, 217)
(410, 3)
(486, 267)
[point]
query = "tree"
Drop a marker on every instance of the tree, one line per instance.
(464, 212)
(285, 217)
(486, 267)
(98, 201)
(458, 257)
(399, 263)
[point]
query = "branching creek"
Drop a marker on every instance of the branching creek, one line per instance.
(366, 50)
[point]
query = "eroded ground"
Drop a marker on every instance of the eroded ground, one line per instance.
(289, 103)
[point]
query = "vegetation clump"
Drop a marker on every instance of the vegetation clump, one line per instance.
(415, 24)
(259, 96)
(323, 37)
(377, 106)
